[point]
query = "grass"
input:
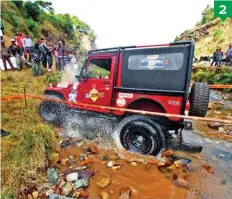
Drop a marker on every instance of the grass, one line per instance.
(26, 151)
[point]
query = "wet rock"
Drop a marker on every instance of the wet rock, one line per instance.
(53, 175)
(167, 152)
(81, 183)
(133, 164)
(65, 143)
(104, 195)
(125, 193)
(214, 125)
(221, 130)
(208, 168)
(72, 177)
(56, 196)
(110, 164)
(83, 156)
(104, 182)
(67, 189)
(85, 174)
(94, 149)
(180, 182)
(84, 194)
(134, 192)
(35, 194)
(80, 168)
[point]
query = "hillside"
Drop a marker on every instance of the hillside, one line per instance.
(38, 18)
(209, 33)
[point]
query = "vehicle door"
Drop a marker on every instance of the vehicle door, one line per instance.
(96, 88)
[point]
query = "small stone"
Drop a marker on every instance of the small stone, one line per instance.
(94, 149)
(83, 156)
(104, 195)
(111, 192)
(221, 130)
(104, 182)
(85, 174)
(57, 189)
(49, 192)
(134, 192)
(81, 168)
(29, 196)
(125, 193)
(65, 161)
(105, 158)
(221, 155)
(72, 177)
(178, 163)
(81, 183)
(152, 160)
(80, 144)
(67, 189)
(133, 164)
(167, 152)
(35, 194)
(110, 164)
(65, 143)
(160, 164)
(116, 167)
(71, 157)
(84, 194)
(77, 194)
(53, 175)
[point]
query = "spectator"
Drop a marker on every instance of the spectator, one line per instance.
(5, 55)
(219, 56)
(19, 39)
(59, 57)
(215, 58)
(43, 47)
(229, 56)
(65, 59)
(27, 45)
(37, 52)
(16, 51)
(49, 50)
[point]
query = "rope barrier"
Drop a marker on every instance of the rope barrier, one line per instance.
(83, 105)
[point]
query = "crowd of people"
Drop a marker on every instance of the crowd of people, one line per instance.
(218, 56)
(37, 55)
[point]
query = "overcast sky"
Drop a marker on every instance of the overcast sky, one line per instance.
(135, 22)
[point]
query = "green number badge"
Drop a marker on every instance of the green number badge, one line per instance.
(223, 8)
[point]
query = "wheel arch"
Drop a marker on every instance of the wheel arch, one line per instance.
(52, 92)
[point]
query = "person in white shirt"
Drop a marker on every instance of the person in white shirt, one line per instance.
(27, 45)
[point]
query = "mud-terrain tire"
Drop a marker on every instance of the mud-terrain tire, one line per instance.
(199, 99)
(140, 134)
(53, 112)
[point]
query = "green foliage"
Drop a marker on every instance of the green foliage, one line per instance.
(33, 26)
(52, 78)
(45, 5)
(217, 34)
(32, 10)
(207, 15)
(18, 3)
(56, 20)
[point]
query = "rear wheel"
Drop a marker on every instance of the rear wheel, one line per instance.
(140, 134)
(199, 99)
(52, 112)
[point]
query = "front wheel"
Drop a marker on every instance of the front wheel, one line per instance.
(52, 112)
(140, 134)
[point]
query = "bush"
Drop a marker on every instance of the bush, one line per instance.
(51, 78)
(32, 10)
(207, 15)
(33, 26)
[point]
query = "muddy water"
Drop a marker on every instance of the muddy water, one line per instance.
(149, 181)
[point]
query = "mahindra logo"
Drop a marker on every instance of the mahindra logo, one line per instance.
(174, 103)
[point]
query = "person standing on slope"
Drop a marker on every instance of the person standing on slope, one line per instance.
(59, 57)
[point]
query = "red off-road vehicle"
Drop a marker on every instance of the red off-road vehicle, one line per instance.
(154, 78)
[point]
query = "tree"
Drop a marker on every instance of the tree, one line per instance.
(32, 10)
(45, 5)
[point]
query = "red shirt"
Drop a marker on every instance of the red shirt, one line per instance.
(19, 40)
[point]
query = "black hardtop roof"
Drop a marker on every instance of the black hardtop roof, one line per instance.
(115, 49)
